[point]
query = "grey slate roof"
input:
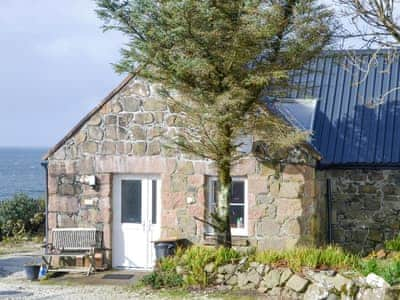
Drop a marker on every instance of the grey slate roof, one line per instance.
(346, 130)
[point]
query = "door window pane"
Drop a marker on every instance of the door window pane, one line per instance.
(131, 201)
(154, 202)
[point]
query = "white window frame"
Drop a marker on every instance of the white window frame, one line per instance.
(210, 195)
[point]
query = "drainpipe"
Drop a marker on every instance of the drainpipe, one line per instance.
(329, 210)
(45, 165)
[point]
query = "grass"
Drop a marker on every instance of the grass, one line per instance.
(27, 244)
(297, 258)
(393, 245)
(388, 269)
(192, 262)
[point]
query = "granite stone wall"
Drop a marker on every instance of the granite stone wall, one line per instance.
(365, 206)
(126, 136)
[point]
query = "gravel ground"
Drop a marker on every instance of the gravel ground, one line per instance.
(13, 285)
(16, 286)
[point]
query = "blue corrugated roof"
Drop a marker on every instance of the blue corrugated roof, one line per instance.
(346, 129)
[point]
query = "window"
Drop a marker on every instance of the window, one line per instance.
(299, 112)
(238, 204)
(131, 201)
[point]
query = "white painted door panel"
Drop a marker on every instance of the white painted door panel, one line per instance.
(135, 225)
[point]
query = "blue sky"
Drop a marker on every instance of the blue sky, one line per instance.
(55, 66)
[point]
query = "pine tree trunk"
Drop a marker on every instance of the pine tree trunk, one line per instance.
(223, 206)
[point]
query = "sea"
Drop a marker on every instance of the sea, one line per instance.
(21, 172)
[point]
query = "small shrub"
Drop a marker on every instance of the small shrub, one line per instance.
(193, 260)
(393, 245)
(21, 215)
(387, 269)
(159, 279)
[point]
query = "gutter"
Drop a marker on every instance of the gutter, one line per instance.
(364, 166)
(45, 165)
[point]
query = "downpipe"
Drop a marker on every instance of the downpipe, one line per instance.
(329, 210)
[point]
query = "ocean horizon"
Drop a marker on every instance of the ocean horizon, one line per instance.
(21, 172)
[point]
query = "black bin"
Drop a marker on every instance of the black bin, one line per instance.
(164, 249)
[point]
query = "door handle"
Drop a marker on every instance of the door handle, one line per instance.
(144, 226)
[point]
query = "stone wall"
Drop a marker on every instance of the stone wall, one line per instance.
(125, 136)
(283, 283)
(365, 206)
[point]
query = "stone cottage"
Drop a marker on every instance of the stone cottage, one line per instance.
(112, 172)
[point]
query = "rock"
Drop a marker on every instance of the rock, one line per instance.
(230, 269)
(131, 104)
(232, 280)
(320, 278)
(249, 286)
(262, 289)
(139, 148)
(220, 279)
(276, 291)
(254, 277)
(285, 275)
(341, 283)
(272, 279)
(209, 268)
(375, 281)
(254, 264)
(153, 148)
(369, 294)
(89, 147)
(95, 133)
(124, 119)
(315, 292)
(144, 118)
(381, 254)
(138, 133)
(243, 261)
(154, 104)
(260, 269)
(297, 283)
(332, 297)
(241, 279)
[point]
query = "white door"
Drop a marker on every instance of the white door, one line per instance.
(136, 219)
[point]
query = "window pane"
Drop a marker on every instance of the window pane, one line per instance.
(131, 201)
(299, 113)
(237, 216)
(237, 192)
(154, 202)
(215, 192)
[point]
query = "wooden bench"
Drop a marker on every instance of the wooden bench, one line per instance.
(74, 242)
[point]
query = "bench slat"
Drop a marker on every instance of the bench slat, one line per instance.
(76, 238)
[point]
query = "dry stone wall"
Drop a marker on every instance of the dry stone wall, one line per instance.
(126, 136)
(365, 206)
(284, 283)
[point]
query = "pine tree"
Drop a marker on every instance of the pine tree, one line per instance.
(223, 57)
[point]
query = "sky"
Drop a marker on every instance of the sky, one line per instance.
(55, 66)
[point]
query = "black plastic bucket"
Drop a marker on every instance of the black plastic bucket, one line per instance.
(164, 249)
(32, 272)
